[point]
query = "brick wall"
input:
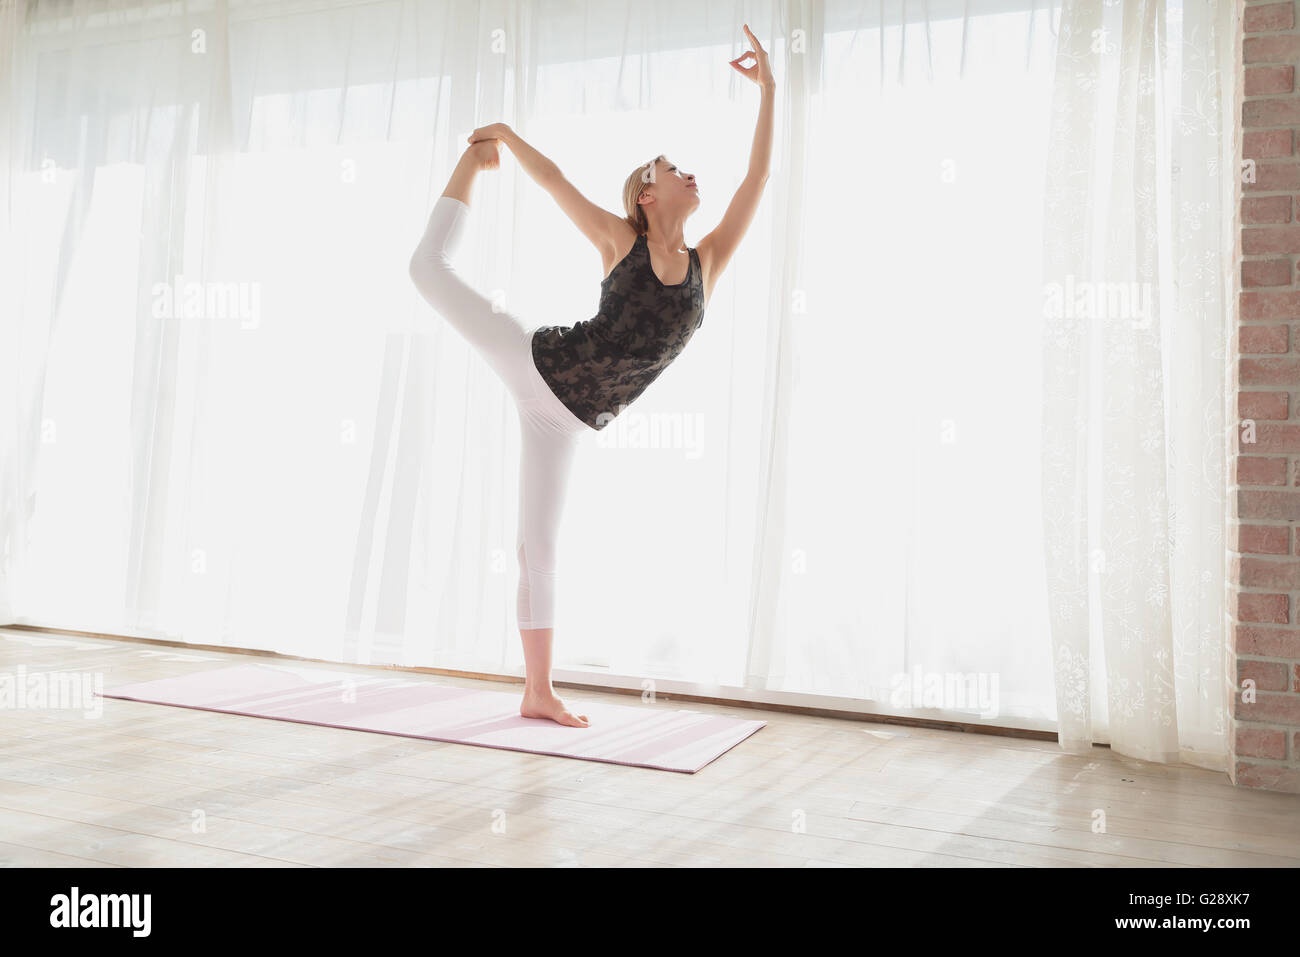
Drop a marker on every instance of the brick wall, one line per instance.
(1264, 573)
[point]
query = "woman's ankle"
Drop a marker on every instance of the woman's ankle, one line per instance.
(461, 184)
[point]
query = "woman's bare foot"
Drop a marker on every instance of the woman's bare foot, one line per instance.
(487, 153)
(545, 703)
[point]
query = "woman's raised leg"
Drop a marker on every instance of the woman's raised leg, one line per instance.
(496, 334)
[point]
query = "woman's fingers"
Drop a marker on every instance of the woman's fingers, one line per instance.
(751, 70)
(755, 56)
(492, 131)
(758, 52)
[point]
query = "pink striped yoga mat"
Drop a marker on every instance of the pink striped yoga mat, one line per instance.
(646, 736)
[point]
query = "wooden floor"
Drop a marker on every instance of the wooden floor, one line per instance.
(148, 785)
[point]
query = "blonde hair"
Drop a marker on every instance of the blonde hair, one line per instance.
(632, 189)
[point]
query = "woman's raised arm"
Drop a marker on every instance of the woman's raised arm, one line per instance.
(716, 249)
(599, 225)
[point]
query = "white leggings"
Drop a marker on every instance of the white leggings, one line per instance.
(549, 432)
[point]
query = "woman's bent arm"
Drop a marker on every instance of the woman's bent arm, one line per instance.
(599, 225)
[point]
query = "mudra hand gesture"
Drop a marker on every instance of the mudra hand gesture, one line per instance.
(760, 71)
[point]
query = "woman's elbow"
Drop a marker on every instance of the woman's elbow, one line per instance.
(432, 274)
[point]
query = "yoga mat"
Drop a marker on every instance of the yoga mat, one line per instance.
(644, 736)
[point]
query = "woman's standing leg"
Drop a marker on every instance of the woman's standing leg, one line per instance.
(546, 452)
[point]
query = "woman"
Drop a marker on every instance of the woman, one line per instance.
(569, 380)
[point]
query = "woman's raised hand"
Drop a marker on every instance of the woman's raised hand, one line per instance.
(493, 131)
(760, 71)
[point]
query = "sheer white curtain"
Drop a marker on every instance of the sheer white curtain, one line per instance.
(902, 558)
(235, 422)
(1138, 257)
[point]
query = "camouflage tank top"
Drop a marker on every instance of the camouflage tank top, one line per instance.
(597, 366)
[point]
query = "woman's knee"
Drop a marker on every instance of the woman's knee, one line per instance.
(434, 276)
(537, 557)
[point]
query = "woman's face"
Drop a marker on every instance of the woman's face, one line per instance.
(672, 189)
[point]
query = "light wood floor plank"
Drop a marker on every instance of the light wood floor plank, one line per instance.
(15, 855)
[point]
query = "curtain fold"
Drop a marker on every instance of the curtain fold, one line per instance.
(16, 500)
(768, 627)
(1137, 256)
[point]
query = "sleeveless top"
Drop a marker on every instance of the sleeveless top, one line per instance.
(599, 365)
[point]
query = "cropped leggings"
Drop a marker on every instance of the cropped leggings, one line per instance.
(549, 432)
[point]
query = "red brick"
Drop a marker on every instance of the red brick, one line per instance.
(1267, 609)
(1266, 272)
(1265, 210)
(1270, 437)
(1259, 470)
(1262, 144)
(1271, 777)
(1271, 707)
(1261, 80)
(1266, 240)
(1266, 573)
(1272, 506)
(1267, 675)
(1262, 339)
(1273, 175)
(1282, 49)
(1270, 16)
(1283, 304)
(1263, 539)
(1261, 742)
(1271, 111)
(1263, 405)
(1269, 371)
(1250, 639)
